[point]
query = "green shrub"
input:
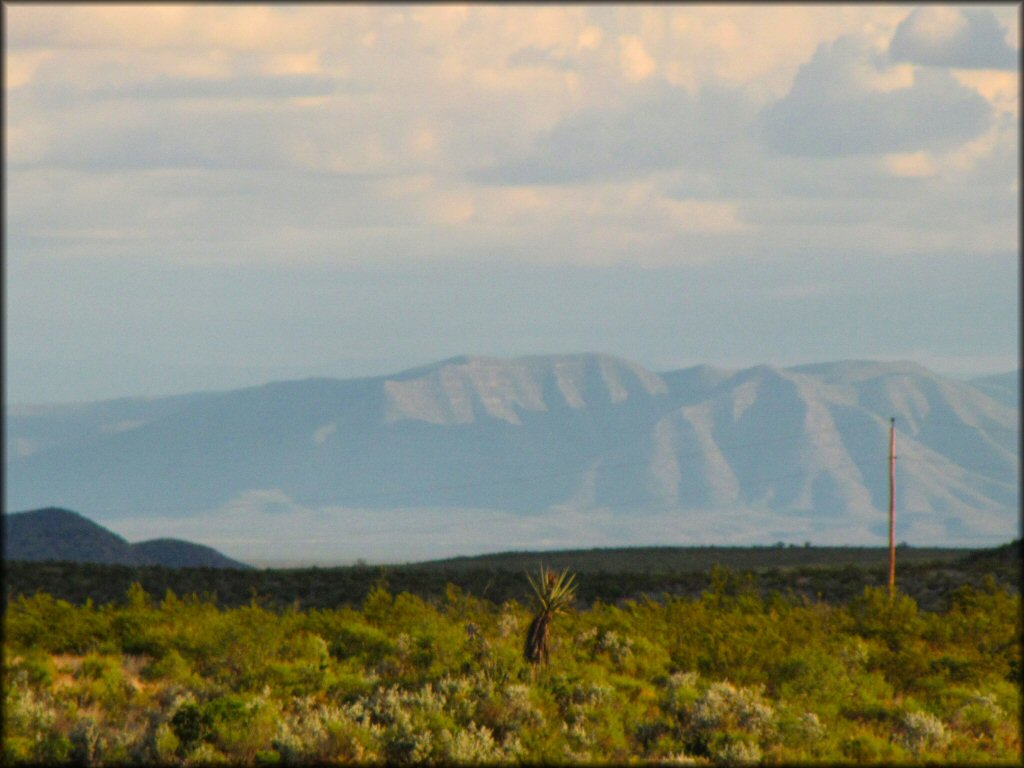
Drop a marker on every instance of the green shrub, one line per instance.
(37, 667)
(242, 726)
(191, 725)
(171, 667)
(102, 681)
(868, 748)
(56, 626)
(980, 716)
(367, 644)
(896, 619)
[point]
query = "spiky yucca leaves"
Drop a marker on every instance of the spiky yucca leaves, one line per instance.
(554, 593)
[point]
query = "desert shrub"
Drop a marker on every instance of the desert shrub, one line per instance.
(85, 741)
(207, 754)
(804, 671)
(725, 705)
(133, 627)
(366, 644)
(508, 710)
(731, 589)
(233, 648)
(404, 738)
(191, 725)
(102, 681)
(314, 731)
(56, 626)
(894, 620)
(681, 693)
(920, 732)
(165, 744)
(509, 620)
(36, 666)
(378, 603)
(869, 748)
(724, 713)
(958, 668)
(351, 680)
(29, 722)
(575, 694)
(803, 732)
(52, 747)
(854, 653)
(242, 725)
(405, 680)
(985, 623)
(732, 636)
(96, 666)
(474, 745)
(303, 666)
(17, 749)
(980, 715)
(733, 749)
(171, 667)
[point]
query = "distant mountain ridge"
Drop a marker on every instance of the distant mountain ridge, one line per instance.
(593, 440)
(61, 535)
(1004, 387)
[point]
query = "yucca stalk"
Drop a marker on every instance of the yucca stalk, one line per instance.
(554, 594)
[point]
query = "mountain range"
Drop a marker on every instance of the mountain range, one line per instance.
(473, 453)
(53, 534)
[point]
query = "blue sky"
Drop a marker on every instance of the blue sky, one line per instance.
(207, 197)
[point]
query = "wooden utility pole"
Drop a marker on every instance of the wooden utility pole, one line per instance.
(892, 506)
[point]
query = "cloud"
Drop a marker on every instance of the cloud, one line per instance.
(843, 103)
(287, 86)
(423, 183)
(535, 56)
(161, 139)
(943, 36)
(664, 127)
(911, 165)
(21, 66)
(186, 28)
(636, 62)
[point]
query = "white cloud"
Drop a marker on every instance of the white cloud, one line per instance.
(1002, 89)
(660, 127)
(321, 434)
(944, 36)
(841, 103)
(934, 25)
(295, 137)
(916, 165)
(637, 63)
(589, 39)
(21, 66)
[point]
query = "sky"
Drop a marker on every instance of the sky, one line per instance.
(209, 197)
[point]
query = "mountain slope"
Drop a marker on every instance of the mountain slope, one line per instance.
(543, 448)
(175, 553)
(59, 534)
(1004, 387)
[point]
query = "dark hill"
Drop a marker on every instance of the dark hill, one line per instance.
(59, 534)
(54, 534)
(175, 553)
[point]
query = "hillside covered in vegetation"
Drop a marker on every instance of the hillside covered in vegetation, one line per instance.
(817, 573)
(730, 675)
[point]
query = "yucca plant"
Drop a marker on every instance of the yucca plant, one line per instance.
(554, 594)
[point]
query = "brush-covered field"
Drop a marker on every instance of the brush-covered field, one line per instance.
(730, 675)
